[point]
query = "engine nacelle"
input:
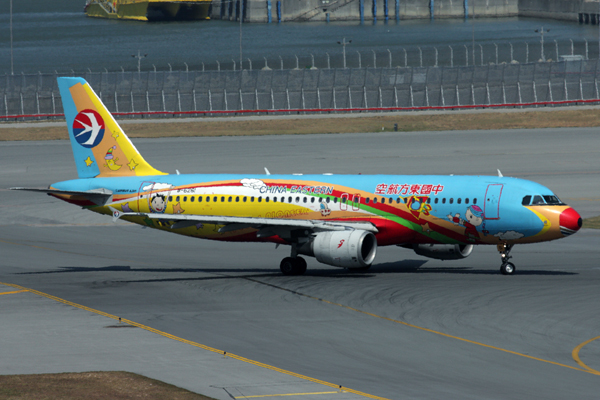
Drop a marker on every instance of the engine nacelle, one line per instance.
(444, 251)
(346, 249)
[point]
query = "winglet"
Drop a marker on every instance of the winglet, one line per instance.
(500, 174)
(100, 147)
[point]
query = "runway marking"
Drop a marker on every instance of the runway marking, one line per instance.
(281, 395)
(575, 355)
(199, 345)
(16, 291)
(587, 369)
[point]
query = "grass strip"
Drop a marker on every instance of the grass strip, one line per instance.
(591, 223)
(90, 386)
(307, 125)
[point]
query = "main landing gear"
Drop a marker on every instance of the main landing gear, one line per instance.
(507, 268)
(293, 266)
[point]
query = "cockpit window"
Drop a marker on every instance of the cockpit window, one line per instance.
(553, 200)
(537, 200)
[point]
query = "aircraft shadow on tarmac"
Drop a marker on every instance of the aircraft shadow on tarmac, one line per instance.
(404, 266)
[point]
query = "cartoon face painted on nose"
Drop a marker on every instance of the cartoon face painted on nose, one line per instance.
(158, 203)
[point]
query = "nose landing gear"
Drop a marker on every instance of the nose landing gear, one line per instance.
(507, 268)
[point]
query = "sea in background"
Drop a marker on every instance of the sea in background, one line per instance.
(53, 36)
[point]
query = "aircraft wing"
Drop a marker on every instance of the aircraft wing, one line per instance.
(266, 226)
(97, 196)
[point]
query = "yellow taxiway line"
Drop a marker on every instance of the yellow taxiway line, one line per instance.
(282, 395)
(208, 348)
(575, 355)
(16, 291)
(586, 368)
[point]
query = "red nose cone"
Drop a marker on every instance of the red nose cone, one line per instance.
(570, 222)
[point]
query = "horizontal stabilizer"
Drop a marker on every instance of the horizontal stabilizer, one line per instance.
(97, 196)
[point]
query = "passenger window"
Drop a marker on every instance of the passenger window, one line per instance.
(170, 198)
(274, 199)
(451, 200)
(215, 199)
(526, 200)
(458, 201)
(475, 201)
(297, 199)
(222, 199)
(374, 200)
(367, 200)
(259, 199)
(312, 199)
(320, 199)
(467, 200)
(429, 200)
(328, 200)
(207, 199)
(237, 199)
(244, 199)
(230, 198)
(177, 198)
(334, 200)
(444, 200)
(537, 200)
(266, 199)
(199, 199)
(185, 198)
(252, 199)
(192, 199)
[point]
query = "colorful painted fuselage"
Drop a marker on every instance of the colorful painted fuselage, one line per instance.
(404, 209)
(331, 217)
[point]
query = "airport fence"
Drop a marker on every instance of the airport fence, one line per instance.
(311, 90)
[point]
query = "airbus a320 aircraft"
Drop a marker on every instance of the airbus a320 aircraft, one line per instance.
(339, 220)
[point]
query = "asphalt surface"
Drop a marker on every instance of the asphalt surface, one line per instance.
(408, 328)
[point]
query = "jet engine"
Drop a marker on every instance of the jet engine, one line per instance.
(346, 249)
(444, 251)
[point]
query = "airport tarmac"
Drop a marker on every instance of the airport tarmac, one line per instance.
(409, 327)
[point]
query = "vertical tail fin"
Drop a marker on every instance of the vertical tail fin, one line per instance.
(100, 147)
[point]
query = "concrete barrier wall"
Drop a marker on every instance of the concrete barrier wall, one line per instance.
(341, 10)
(584, 11)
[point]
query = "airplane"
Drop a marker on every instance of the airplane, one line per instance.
(338, 219)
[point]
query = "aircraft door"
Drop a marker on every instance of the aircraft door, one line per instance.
(491, 208)
(148, 201)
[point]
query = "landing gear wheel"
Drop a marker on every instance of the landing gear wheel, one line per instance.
(287, 266)
(293, 266)
(507, 268)
(360, 269)
(301, 264)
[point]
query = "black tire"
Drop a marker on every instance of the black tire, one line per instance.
(288, 266)
(507, 268)
(301, 265)
(361, 269)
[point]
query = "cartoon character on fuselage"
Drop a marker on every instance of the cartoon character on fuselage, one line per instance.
(158, 203)
(474, 218)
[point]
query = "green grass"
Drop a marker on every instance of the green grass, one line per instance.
(592, 223)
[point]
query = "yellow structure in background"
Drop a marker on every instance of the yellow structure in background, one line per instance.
(149, 10)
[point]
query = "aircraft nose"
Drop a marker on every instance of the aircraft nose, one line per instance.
(570, 222)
